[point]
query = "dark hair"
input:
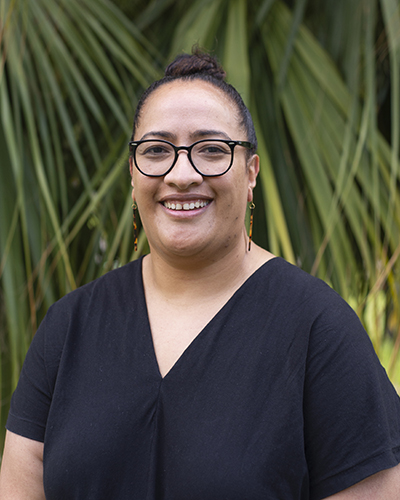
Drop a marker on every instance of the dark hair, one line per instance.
(201, 66)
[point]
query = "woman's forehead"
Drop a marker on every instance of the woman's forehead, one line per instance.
(193, 106)
(197, 87)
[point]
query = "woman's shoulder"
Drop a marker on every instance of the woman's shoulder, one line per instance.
(285, 279)
(116, 281)
(112, 291)
(103, 301)
(290, 292)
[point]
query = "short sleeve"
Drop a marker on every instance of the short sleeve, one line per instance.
(31, 400)
(351, 410)
(67, 320)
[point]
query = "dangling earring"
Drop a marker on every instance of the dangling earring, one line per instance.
(252, 207)
(134, 208)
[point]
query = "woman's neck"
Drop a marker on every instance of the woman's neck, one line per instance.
(193, 279)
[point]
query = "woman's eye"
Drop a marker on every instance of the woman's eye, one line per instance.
(156, 151)
(212, 149)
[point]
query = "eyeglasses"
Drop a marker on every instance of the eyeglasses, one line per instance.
(209, 157)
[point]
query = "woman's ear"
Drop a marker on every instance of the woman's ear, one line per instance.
(253, 167)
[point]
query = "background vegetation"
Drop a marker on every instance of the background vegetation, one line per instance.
(321, 79)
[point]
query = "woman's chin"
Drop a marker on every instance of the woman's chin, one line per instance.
(185, 249)
(182, 246)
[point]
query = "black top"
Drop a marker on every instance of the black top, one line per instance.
(279, 397)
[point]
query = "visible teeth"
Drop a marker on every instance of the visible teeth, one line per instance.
(186, 206)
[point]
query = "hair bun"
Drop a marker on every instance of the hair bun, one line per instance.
(198, 62)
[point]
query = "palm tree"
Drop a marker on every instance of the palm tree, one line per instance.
(322, 82)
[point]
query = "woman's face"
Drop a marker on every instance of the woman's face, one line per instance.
(182, 113)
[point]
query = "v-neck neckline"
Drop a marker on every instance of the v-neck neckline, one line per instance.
(201, 333)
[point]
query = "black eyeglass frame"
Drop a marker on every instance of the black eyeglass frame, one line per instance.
(133, 145)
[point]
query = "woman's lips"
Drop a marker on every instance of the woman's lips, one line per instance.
(185, 205)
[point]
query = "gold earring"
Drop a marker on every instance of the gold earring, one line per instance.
(134, 208)
(252, 207)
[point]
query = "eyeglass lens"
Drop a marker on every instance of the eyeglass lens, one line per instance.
(210, 158)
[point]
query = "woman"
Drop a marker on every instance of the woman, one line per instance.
(208, 369)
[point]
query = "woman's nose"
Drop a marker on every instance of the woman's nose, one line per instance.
(183, 173)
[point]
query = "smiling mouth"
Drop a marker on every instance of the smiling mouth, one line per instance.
(186, 206)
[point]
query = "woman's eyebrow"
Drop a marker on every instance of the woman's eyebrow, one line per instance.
(199, 134)
(196, 135)
(159, 133)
